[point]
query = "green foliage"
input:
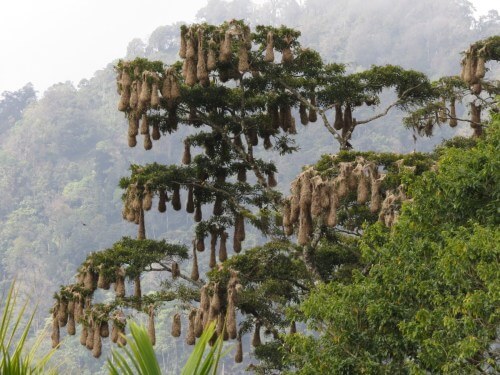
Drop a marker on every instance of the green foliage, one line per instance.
(200, 364)
(139, 358)
(13, 339)
(429, 301)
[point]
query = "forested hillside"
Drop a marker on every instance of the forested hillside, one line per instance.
(62, 155)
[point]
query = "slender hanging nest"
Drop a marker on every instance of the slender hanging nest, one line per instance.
(274, 114)
(176, 272)
(480, 67)
(293, 327)
(83, 335)
(363, 191)
(186, 157)
(90, 336)
(133, 125)
(155, 134)
(267, 142)
(147, 201)
(195, 274)
(155, 97)
(182, 50)
(243, 65)
(453, 114)
(475, 111)
(231, 315)
(176, 198)
(198, 323)
(287, 56)
(124, 98)
(225, 50)
(120, 283)
(62, 313)
(190, 200)
(151, 325)
(102, 281)
(137, 287)
(285, 115)
(176, 325)
(198, 213)
(55, 336)
(211, 58)
(317, 193)
(339, 119)
(134, 96)
(162, 201)
(269, 56)
(205, 304)
(223, 246)
(239, 227)
(331, 220)
(97, 345)
(304, 117)
(294, 201)
(256, 336)
(376, 198)
(145, 94)
(313, 116)
(104, 329)
(191, 337)
(213, 243)
(238, 357)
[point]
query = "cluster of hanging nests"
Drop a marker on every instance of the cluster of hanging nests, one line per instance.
(314, 197)
(473, 68)
(74, 306)
(142, 91)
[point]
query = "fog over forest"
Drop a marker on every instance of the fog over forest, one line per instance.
(64, 151)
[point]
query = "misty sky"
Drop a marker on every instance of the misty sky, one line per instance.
(45, 42)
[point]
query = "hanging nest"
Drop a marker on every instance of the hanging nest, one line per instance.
(186, 157)
(238, 357)
(285, 115)
(475, 111)
(102, 281)
(225, 50)
(55, 336)
(176, 272)
(162, 202)
(62, 313)
(155, 134)
(97, 345)
(293, 327)
(104, 329)
(211, 58)
(198, 213)
(155, 97)
(148, 144)
(213, 243)
(376, 198)
(190, 200)
(256, 336)
(176, 198)
(134, 96)
(239, 227)
(190, 79)
(339, 120)
(231, 315)
(223, 247)
(317, 193)
(198, 323)
(195, 274)
(90, 337)
(120, 283)
(304, 117)
(215, 305)
(182, 50)
(287, 56)
(331, 220)
(200, 243)
(151, 325)
(453, 114)
(137, 288)
(480, 68)
(201, 67)
(147, 202)
(144, 125)
(363, 191)
(176, 325)
(243, 65)
(133, 125)
(269, 56)
(313, 116)
(242, 174)
(275, 116)
(83, 335)
(271, 180)
(191, 337)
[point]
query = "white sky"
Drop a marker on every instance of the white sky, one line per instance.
(50, 41)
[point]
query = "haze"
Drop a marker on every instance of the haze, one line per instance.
(56, 40)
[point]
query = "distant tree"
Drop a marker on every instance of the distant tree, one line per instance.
(13, 103)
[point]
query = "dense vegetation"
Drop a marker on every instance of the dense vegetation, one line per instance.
(66, 203)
